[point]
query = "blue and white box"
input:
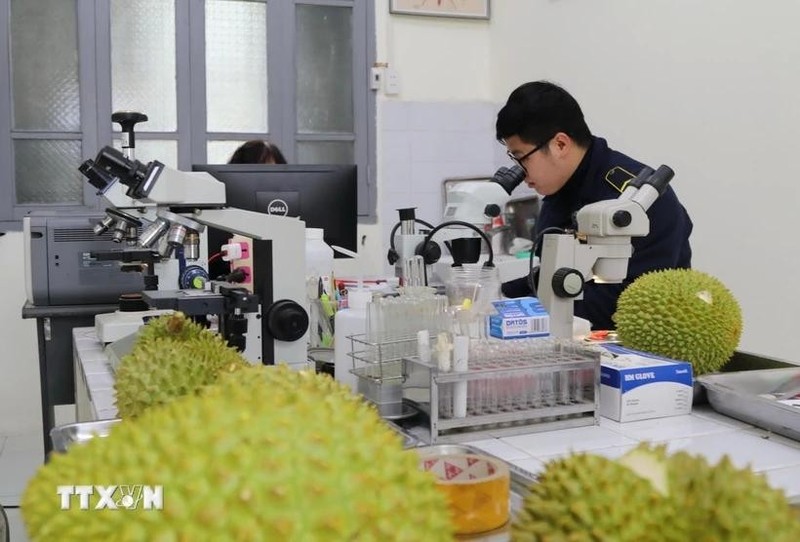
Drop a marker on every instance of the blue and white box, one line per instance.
(638, 386)
(519, 318)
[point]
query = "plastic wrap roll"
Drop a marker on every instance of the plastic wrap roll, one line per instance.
(477, 488)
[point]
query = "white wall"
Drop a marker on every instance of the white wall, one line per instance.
(710, 88)
(20, 399)
(439, 125)
(438, 59)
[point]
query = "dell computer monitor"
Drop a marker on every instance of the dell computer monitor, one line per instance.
(323, 196)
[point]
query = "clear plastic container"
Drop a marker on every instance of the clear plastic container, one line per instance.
(473, 282)
(470, 292)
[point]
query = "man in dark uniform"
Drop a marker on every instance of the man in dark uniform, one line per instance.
(545, 133)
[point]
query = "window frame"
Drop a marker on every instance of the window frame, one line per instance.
(94, 72)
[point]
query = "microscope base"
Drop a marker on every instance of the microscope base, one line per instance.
(111, 327)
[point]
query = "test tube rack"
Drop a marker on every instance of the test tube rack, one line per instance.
(379, 368)
(555, 384)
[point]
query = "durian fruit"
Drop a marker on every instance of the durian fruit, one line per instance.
(682, 314)
(650, 495)
(589, 497)
(722, 502)
(170, 326)
(264, 454)
(172, 356)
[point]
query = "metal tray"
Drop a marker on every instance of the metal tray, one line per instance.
(65, 436)
(521, 482)
(738, 396)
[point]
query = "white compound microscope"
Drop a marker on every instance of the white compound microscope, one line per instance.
(264, 316)
(599, 249)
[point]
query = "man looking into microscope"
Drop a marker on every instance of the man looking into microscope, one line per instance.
(544, 131)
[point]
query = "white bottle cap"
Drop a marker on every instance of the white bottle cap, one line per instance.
(358, 298)
(315, 233)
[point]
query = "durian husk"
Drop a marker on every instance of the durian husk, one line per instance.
(264, 454)
(651, 495)
(172, 356)
(589, 497)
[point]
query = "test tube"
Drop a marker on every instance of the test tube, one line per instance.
(460, 364)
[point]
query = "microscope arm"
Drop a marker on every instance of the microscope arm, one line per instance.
(286, 319)
(599, 251)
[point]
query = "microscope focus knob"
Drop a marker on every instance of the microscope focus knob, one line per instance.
(621, 219)
(567, 282)
(287, 320)
(492, 210)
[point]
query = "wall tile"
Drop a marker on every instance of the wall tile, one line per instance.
(394, 115)
(397, 177)
(428, 146)
(426, 116)
(396, 147)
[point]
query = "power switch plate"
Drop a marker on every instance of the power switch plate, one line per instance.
(375, 79)
(391, 82)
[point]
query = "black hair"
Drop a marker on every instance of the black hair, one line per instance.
(537, 111)
(257, 152)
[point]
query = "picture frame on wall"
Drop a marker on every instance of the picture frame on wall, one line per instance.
(463, 9)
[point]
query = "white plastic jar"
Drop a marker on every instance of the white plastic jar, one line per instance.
(319, 258)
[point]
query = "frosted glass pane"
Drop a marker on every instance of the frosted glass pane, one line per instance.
(47, 171)
(147, 150)
(143, 61)
(324, 69)
(236, 66)
(219, 152)
(44, 56)
(325, 152)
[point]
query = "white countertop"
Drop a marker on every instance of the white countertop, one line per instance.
(704, 432)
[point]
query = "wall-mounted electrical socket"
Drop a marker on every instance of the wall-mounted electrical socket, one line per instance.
(391, 82)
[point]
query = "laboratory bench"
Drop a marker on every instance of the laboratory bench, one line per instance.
(703, 432)
(54, 325)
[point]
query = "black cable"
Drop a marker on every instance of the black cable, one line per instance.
(531, 280)
(238, 275)
(473, 227)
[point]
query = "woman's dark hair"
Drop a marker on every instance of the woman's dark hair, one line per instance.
(537, 111)
(257, 152)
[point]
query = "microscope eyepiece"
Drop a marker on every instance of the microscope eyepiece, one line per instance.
(97, 176)
(110, 165)
(509, 178)
(661, 178)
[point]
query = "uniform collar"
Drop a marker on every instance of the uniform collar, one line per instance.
(585, 170)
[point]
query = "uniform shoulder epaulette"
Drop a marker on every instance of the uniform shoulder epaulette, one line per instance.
(619, 177)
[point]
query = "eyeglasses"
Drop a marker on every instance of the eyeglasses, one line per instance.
(521, 160)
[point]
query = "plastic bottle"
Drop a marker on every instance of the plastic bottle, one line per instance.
(319, 258)
(349, 321)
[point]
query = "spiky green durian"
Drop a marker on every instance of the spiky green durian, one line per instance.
(589, 497)
(682, 314)
(723, 502)
(170, 326)
(264, 454)
(585, 497)
(172, 356)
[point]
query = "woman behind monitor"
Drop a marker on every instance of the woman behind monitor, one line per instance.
(254, 151)
(257, 151)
